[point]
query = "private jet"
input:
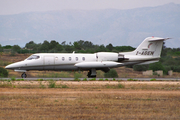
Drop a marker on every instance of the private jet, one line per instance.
(147, 52)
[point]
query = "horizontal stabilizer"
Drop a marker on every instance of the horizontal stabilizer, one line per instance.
(157, 39)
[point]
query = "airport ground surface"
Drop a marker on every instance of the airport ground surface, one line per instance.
(94, 79)
(89, 100)
(132, 96)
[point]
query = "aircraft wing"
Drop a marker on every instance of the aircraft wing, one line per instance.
(98, 64)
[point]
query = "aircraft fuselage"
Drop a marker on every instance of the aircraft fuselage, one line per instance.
(147, 52)
(60, 61)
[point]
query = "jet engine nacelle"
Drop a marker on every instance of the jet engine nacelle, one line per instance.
(107, 56)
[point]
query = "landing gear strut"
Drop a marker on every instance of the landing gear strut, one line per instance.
(92, 73)
(24, 75)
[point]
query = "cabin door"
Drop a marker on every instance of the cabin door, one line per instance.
(49, 62)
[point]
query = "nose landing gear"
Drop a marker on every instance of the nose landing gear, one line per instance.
(24, 75)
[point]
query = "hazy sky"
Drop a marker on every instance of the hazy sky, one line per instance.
(20, 6)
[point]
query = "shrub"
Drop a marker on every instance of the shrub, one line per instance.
(153, 79)
(157, 66)
(140, 67)
(41, 85)
(13, 78)
(120, 85)
(20, 79)
(175, 68)
(52, 84)
(93, 79)
(76, 79)
(85, 79)
(65, 86)
(40, 79)
(100, 79)
(111, 74)
(3, 72)
(106, 79)
(167, 68)
(77, 76)
(130, 79)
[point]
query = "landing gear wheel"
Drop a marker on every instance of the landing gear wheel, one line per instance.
(92, 73)
(89, 74)
(24, 75)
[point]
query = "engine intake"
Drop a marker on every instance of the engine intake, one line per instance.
(121, 58)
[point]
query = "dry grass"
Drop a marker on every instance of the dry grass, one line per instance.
(91, 100)
(94, 85)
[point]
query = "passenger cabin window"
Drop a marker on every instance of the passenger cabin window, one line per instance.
(69, 58)
(76, 58)
(63, 58)
(83, 58)
(33, 57)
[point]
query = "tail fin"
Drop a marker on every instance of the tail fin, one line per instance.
(151, 46)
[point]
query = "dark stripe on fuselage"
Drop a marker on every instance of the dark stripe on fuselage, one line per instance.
(72, 67)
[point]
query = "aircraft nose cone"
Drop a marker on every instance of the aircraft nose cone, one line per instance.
(16, 65)
(13, 66)
(8, 67)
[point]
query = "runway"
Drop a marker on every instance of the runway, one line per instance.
(96, 79)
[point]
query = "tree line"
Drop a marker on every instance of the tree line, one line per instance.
(53, 46)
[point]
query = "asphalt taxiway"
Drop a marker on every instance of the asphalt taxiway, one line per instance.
(98, 79)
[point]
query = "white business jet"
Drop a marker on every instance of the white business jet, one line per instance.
(147, 52)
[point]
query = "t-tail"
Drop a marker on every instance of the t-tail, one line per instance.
(148, 51)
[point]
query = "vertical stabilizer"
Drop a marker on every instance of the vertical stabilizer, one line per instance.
(151, 46)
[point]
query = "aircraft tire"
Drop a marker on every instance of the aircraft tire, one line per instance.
(24, 75)
(91, 76)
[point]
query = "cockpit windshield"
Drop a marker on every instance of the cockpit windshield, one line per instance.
(33, 57)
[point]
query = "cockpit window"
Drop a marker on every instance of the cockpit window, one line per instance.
(33, 57)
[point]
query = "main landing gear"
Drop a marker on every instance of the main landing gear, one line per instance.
(24, 75)
(92, 73)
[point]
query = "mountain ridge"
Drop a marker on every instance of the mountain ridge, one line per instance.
(119, 27)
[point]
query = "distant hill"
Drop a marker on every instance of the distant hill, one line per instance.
(119, 27)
